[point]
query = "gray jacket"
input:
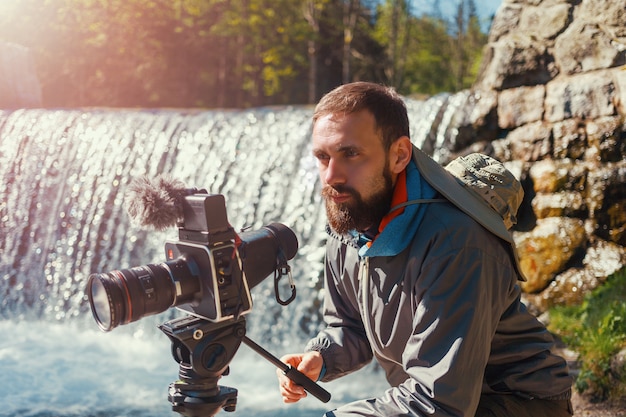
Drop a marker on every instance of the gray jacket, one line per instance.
(443, 318)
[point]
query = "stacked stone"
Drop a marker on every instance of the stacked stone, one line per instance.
(551, 100)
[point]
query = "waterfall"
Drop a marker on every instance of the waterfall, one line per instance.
(64, 175)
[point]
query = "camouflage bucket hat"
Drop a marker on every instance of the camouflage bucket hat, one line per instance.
(481, 187)
(489, 178)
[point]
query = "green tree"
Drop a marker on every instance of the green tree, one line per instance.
(312, 13)
(347, 48)
(236, 53)
(418, 50)
(428, 63)
(102, 53)
(393, 31)
(468, 43)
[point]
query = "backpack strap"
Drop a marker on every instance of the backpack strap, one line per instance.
(418, 201)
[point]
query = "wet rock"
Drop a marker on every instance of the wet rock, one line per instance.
(586, 47)
(506, 20)
(567, 289)
(545, 22)
(559, 189)
(606, 136)
(611, 223)
(550, 176)
(563, 204)
(569, 138)
(515, 61)
(604, 258)
(606, 199)
(584, 96)
(518, 106)
(620, 82)
(547, 249)
(531, 142)
(618, 363)
(612, 17)
(570, 287)
(477, 119)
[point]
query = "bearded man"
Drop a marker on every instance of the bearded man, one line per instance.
(417, 280)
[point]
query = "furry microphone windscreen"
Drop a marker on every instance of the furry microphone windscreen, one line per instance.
(156, 203)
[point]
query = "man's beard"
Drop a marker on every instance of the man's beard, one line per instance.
(358, 214)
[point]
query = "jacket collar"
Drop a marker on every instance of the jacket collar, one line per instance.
(399, 226)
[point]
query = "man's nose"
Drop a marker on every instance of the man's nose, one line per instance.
(334, 173)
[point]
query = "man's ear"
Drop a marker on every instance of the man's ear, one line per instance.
(400, 154)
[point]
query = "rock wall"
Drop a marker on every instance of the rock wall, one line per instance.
(551, 102)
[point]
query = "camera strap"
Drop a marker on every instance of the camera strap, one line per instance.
(283, 269)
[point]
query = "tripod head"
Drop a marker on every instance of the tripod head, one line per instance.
(204, 350)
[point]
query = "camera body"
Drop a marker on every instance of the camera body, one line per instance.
(207, 240)
(209, 271)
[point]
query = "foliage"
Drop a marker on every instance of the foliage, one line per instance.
(236, 53)
(597, 331)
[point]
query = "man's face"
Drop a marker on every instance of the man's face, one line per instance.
(357, 183)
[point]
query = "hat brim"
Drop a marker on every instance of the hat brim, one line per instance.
(447, 185)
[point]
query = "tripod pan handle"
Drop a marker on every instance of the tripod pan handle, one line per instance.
(306, 383)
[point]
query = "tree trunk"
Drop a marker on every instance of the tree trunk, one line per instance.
(349, 23)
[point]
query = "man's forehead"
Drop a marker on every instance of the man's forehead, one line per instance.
(345, 122)
(331, 118)
(334, 133)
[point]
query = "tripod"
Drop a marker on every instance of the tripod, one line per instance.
(203, 351)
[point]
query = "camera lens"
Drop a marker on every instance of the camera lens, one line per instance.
(127, 295)
(100, 303)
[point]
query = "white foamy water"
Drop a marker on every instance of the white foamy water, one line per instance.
(65, 370)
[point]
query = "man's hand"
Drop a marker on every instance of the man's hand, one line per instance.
(310, 364)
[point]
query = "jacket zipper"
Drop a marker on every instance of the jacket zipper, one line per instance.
(364, 272)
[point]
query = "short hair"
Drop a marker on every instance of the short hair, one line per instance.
(387, 107)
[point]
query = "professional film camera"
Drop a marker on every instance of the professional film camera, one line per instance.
(208, 273)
